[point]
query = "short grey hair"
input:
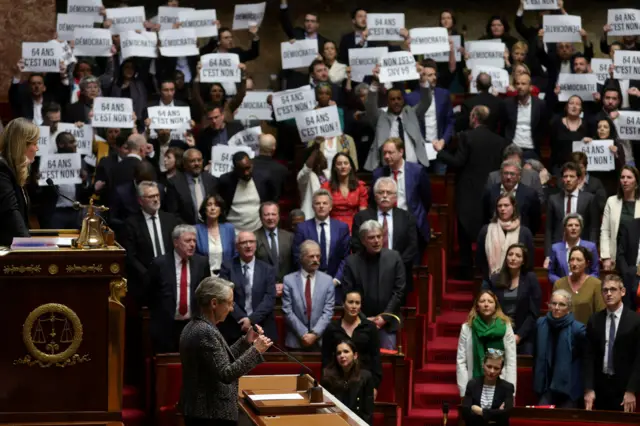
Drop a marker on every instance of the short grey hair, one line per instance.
(368, 226)
(535, 164)
(322, 193)
(144, 185)
(385, 181)
(362, 87)
(511, 163)
(212, 288)
(243, 232)
(297, 213)
(512, 149)
(186, 154)
(570, 216)
(182, 229)
(306, 245)
(566, 295)
(86, 81)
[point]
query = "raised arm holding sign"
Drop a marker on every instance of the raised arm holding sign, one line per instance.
(626, 65)
(41, 57)
(628, 125)
(385, 26)
(139, 44)
(179, 42)
(624, 22)
(126, 19)
(203, 21)
(362, 61)
(92, 42)
(488, 53)
(248, 15)
(169, 117)
(220, 68)
(299, 54)
(67, 23)
(169, 16)
(540, 4)
(254, 107)
(398, 66)
(562, 28)
(324, 122)
(425, 41)
(113, 113)
(287, 104)
(89, 8)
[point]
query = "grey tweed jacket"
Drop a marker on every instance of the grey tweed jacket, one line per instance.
(211, 369)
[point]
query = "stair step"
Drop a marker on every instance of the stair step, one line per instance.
(448, 324)
(457, 302)
(442, 350)
(133, 417)
(435, 373)
(459, 286)
(432, 395)
(429, 417)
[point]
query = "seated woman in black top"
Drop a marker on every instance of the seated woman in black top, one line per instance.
(363, 333)
(488, 399)
(348, 382)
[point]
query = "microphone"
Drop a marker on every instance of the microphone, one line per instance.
(75, 204)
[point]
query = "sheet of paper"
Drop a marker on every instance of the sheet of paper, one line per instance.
(276, 397)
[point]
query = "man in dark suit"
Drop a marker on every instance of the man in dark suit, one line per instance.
(357, 38)
(274, 243)
(124, 171)
(526, 198)
(398, 226)
(125, 202)
(103, 182)
(254, 292)
(187, 190)
(217, 132)
(318, 73)
(528, 177)
(167, 99)
(589, 183)
(571, 200)
(493, 103)
(479, 152)
(265, 167)
(310, 30)
(171, 283)
(28, 99)
(379, 274)
(332, 236)
(612, 355)
(627, 259)
(242, 194)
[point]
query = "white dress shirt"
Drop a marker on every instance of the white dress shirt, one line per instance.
(409, 148)
(178, 261)
(37, 113)
(389, 225)
(522, 136)
(149, 222)
(402, 188)
(327, 232)
(574, 201)
(617, 313)
(248, 304)
(431, 123)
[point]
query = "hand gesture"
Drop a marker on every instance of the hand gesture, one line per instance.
(556, 90)
(614, 150)
(629, 402)
(262, 343)
(252, 335)
(438, 145)
(147, 122)
(99, 185)
(404, 33)
(606, 265)
(190, 140)
(279, 289)
(293, 40)
(218, 25)
(79, 124)
(270, 99)
(242, 67)
(596, 97)
(19, 69)
(546, 262)
(376, 72)
(103, 11)
(589, 398)
(634, 91)
(541, 33)
(606, 28)
(586, 140)
(245, 324)
(614, 114)
(583, 33)
(108, 23)
(253, 30)
(63, 69)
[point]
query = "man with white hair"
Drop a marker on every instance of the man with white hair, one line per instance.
(379, 275)
(171, 283)
(265, 167)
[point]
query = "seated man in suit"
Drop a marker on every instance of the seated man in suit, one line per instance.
(612, 364)
(627, 259)
(528, 177)
(526, 198)
(332, 236)
(398, 226)
(171, 284)
(187, 190)
(254, 292)
(265, 167)
(274, 243)
(571, 200)
(307, 301)
(378, 274)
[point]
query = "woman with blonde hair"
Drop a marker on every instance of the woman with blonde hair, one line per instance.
(487, 327)
(18, 148)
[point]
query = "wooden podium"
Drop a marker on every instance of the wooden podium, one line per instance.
(63, 336)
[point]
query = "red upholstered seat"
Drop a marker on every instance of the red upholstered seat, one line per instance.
(438, 191)
(524, 392)
(538, 256)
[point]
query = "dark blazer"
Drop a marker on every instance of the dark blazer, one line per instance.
(158, 102)
(104, 173)
(626, 353)
(21, 101)
(203, 351)
(227, 237)
(388, 295)
(529, 177)
(162, 296)
(265, 167)
(263, 299)
(593, 186)
(479, 152)
(626, 257)
(538, 120)
(125, 202)
(358, 396)
(444, 112)
(339, 245)
(77, 111)
(503, 395)
(527, 201)
(587, 208)
(179, 199)
(525, 237)
(206, 136)
(348, 41)
(417, 191)
(496, 111)
(229, 182)
(284, 264)
(14, 209)
(123, 172)
(297, 33)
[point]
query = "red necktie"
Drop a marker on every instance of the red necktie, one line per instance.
(385, 231)
(307, 297)
(183, 307)
(395, 174)
(569, 203)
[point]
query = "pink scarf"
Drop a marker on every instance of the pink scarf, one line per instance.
(500, 236)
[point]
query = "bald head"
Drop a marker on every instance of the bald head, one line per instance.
(479, 115)
(136, 144)
(483, 82)
(267, 144)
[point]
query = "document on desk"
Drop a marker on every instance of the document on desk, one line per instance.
(276, 397)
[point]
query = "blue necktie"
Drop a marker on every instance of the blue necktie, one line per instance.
(612, 339)
(323, 247)
(248, 304)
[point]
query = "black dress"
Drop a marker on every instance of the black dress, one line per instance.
(356, 395)
(562, 140)
(14, 217)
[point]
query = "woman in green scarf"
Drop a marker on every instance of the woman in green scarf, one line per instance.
(487, 327)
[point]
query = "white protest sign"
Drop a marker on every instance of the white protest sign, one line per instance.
(363, 61)
(92, 42)
(64, 169)
(68, 22)
(425, 41)
(385, 26)
(169, 117)
(83, 135)
(254, 107)
(220, 67)
(246, 15)
(444, 56)
(41, 57)
(89, 8)
(323, 122)
(126, 18)
(628, 125)
(287, 104)
(113, 113)
(583, 85)
(179, 42)
(248, 137)
(499, 78)
(432, 154)
(561, 28)
(487, 52)
(398, 66)
(167, 16)
(140, 45)
(222, 158)
(44, 144)
(624, 22)
(203, 21)
(626, 65)
(298, 54)
(540, 4)
(600, 67)
(599, 156)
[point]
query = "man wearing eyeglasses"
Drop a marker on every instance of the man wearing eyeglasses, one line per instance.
(612, 356)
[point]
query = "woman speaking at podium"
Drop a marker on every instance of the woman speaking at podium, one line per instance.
(210, 368)
(18, 148)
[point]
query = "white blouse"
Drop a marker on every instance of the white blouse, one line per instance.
(215, 253)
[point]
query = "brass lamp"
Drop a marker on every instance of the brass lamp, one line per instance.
(91, 234)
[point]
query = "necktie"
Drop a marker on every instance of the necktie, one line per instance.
(395, 174)
(247, 290)
(274, 250)
(197, 189)
(400, 129)
(323, 248)
(184, 307)
(569, 203)
(612, 339)
(385, 231)
(157, 249)
(307, 297)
